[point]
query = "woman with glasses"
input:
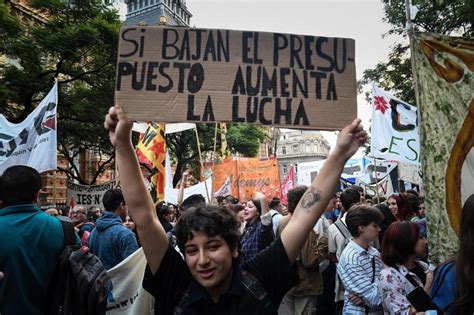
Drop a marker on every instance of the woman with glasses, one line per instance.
(402, 248)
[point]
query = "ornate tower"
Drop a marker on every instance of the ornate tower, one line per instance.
(150, 11)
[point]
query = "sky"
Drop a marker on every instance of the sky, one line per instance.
(357, 19)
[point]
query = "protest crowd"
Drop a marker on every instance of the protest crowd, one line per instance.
(324, 252)
(220, 237)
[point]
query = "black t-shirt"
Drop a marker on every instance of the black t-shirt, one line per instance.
(419, 272)
(271, 267)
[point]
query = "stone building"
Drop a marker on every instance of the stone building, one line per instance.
(298, 146)
(150, 12)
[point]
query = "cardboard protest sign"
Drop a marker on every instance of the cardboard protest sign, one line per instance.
(88, 195)
(444, 78)
(170, 74)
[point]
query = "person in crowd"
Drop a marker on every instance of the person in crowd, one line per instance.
(165, 215)
(129, 224)
(82, 224)
(258, 231)
(93, 213)
(422, 208)
(284, 209)
(192, 201)
(360, 265)
(110, 240)
(229, 200)
(325, 300)
(301, 298)
(187, 180)
(238, 210)
(400, 207)
(30, 243)
(210, 279)
(369, 200)
(361, 192)
(52, 212)
(331, 214)
(338, 237)
(388, 218)
(419, 210)
(453, 284)
(275, 212)
(402, 247)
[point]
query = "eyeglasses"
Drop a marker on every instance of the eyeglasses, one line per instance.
(76, 213)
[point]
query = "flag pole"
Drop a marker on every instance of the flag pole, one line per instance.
(376, 181)
(202, 164)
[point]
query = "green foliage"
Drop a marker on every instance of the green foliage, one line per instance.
(245, 139)
(448, 17)
(78, 45)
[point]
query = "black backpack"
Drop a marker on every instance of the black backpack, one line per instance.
(80, 284)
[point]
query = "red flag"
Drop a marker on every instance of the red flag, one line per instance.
(71, 206)
(288, 183)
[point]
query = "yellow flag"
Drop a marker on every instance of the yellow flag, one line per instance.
(153, 147)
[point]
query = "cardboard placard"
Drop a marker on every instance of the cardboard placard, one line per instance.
(180, 74)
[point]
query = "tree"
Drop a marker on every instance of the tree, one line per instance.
(448, 17)
(78, 46)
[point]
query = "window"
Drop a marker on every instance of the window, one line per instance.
(296, 148)
(285, 169)
(308, 148)
(283, 150)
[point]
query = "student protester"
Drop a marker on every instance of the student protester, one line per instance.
(453, 284)
(388, 218)
(359, 266)
(301, 299)
(210, 279)
(110, 240)
(338, 237)
(258, 231)
(402, 247)
(31, 242)
(399, 205)
(275, 212)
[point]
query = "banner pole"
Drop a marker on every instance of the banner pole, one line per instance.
(202, 164)
(54, 188)
(376, 181)
(214, 157)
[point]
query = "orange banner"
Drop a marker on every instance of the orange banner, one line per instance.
(248, 175)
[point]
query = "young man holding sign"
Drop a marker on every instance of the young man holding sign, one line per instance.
(210, 279)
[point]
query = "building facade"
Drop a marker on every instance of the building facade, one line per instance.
(300, 146)
(149, 12)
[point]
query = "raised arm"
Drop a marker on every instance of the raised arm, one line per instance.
(141, 208)
(314, 201)
(182, 183)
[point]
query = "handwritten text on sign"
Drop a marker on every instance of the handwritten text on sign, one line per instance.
(178, 74)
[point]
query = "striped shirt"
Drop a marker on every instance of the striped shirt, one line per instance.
(355, 269)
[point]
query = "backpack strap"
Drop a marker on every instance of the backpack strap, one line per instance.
(341, 226)
(253, 285)
(69, 232)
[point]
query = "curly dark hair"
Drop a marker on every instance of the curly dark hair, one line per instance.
(210, 220)
(294, 195)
